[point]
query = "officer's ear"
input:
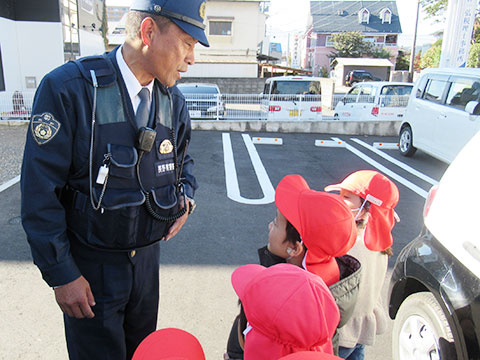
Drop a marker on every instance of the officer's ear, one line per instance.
(147, 29)
(297, 250)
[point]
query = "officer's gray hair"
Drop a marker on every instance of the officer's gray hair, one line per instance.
(135, 18)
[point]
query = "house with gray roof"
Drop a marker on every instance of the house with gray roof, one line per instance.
(377, 20)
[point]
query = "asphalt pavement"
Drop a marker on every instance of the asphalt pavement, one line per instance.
(196, 265)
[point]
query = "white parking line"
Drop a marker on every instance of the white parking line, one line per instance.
(231, 179)
(398, 163)
(9, 183)
(385, 170)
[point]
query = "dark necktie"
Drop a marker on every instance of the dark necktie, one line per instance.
(142, 111)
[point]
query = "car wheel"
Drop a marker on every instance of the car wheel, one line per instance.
(418, 329)
(406, 142)
(335, 117)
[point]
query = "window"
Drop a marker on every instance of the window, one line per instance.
(367, 95)
(386, 16)
(222, 28)
(296, 87)
(364, 16)
(421, 87)
(462, 92)
(2, 78)
(329, 42)
(434, 91)
(351, 96)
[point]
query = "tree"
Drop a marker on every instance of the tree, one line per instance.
(403, 62)
(378, 53)
(350, 44)
(432, 56)
(417, 61)
(474, 56)
(434, 8)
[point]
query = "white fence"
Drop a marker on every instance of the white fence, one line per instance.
(18, 105)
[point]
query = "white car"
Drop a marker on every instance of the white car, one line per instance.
(292, 98)
(204, 101)
(442, 113)
(435, 285)
(373, 101)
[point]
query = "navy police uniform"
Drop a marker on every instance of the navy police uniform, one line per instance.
(95, 201)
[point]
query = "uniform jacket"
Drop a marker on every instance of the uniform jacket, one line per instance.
(55, 179)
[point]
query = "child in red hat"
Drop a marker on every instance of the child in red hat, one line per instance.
(313, 230)
(372, 198)
(169, 344)
(288, 310)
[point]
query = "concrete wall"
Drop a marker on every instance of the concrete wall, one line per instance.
(378, 128)
(29, 49)
(232, 86)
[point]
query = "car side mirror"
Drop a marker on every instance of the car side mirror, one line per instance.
(473, 108)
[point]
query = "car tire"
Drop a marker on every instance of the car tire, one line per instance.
(421, 329)
(335, 117)
(405, 142)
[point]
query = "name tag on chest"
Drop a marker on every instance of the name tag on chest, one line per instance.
(165, 167)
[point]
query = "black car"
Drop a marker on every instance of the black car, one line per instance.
(204, 101)
(435, 285)
(356, 76)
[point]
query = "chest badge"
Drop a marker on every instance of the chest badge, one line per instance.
(44, 128)
(166, 147)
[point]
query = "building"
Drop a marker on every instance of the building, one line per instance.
(235, 28)
(37, 36)
(378, 21)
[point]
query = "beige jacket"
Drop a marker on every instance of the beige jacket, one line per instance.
(369, 316)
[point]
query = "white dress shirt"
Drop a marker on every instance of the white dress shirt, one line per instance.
(131, 82)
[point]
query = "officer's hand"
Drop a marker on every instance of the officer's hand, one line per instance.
(177, 225)
(76, 298)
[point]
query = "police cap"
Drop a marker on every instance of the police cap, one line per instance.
(187, 14)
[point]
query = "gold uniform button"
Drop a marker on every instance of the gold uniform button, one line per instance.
(132, 253)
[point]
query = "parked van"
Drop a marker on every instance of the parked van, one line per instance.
(292, 98)
(442, 114)
(372, 101)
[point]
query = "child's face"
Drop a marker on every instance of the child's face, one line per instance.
(354, 202)
(277, 236)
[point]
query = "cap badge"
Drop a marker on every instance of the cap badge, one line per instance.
(157, 8)
(166, 147)
(202, 10)
(44, 128)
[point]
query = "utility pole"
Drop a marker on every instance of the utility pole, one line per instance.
(412, 55)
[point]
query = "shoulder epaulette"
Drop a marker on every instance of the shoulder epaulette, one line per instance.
(103, 67)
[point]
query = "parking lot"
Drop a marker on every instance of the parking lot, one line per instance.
(235, 203)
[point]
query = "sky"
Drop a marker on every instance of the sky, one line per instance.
(286, 18)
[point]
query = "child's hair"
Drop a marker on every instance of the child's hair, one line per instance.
(292, 234)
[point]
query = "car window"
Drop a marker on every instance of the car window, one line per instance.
(366, 95)
(434, 90)
(266, 89)
(421, 87)
(296, 87)
(351, 96)
(396, 90)
(198, 89)
(462, 91)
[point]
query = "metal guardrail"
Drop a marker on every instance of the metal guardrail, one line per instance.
(18, 105)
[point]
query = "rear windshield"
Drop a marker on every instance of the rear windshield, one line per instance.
(193, 89)
(397, 90)
(296, 87)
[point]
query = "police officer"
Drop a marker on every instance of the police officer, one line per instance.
(106, 175)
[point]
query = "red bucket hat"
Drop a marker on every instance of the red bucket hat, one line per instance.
(310, 355)
(169, 344)
(288, 310)
(324, 222)
(383, 196)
